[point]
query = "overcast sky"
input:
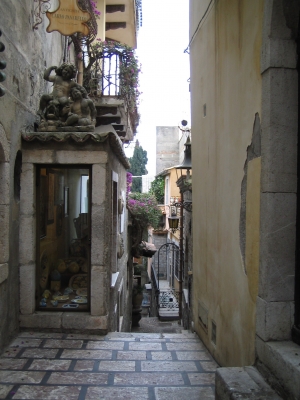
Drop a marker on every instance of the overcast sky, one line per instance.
(165, 71)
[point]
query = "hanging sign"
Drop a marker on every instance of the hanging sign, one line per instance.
(68, 19)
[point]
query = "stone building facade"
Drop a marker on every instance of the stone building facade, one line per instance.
(167, 151)
(244, 106)
(27, 159)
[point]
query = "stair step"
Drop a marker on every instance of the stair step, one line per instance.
(239, 383)
(279, 363)
(150, 336)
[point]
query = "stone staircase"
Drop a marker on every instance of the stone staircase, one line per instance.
(168, 305)
(112, 112)
(119, 365)
(242, 383)
(276, 375)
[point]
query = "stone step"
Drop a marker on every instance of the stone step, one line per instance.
(279, 363)
(239, 383)
(151, 336)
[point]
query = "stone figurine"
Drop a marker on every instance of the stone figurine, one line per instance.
(82, 110)
(68, 107)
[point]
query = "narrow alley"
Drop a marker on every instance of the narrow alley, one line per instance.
(135, 366)
(150, 174)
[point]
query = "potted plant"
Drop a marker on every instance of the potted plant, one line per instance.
(137, 296)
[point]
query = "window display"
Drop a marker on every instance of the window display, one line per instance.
(63, 248)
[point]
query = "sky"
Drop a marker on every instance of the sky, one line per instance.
(164, 82)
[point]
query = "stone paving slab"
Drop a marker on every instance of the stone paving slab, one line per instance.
(5, 390)
(117, 393)
(47, 392)
(168, 393)
(168, 366)
(130, 366)
(39, 353)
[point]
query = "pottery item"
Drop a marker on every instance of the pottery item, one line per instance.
(82, 262)
(73, 267)
(68, 290)
(79, 300)
(78, 281)
(55, 275)
(43, 303)
(70, 306)
(46, 294)
(61, 299)
(81, 292)
(44, 270)
(61, 266)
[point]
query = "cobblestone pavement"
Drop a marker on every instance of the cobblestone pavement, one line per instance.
(130, 366)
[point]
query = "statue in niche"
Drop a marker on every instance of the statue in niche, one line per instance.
(59, 111)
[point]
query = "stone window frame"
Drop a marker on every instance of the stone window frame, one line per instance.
(96, 319)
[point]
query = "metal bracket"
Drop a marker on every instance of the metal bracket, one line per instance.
(187, 205)
(41, 8)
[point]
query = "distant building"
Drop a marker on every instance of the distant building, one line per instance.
(146, 182)
(167, 151)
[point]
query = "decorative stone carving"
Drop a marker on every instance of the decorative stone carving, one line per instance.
(68, 108)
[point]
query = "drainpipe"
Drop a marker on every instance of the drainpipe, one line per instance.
(180, 258)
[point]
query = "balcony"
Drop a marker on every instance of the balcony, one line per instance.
(110, 77)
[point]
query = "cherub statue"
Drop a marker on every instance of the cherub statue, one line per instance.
(52, 104)
(82, 109)
(68, 107)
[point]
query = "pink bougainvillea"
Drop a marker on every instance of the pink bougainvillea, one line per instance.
(94, 8)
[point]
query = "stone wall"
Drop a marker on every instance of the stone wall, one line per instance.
(27, 53)
(119, 296)
(226, 100)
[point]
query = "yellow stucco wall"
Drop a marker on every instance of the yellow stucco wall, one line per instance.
(102, 19)
(226, 85)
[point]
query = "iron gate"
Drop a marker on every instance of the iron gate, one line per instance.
(168, 257)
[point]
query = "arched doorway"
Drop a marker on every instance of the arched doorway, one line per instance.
(168, 259)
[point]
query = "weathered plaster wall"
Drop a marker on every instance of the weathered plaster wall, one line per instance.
(226, 98)
(27, 54)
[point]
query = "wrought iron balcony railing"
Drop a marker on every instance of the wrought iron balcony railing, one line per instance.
(111, 69)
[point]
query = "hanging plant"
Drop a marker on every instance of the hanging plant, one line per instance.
(126, 86)
(145, 213)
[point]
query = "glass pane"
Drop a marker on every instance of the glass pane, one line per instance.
(63, 250)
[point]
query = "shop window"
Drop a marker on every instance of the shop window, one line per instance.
(63, 242)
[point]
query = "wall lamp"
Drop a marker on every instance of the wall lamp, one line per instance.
(186, 182)
(173, 219)
(187, 161)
